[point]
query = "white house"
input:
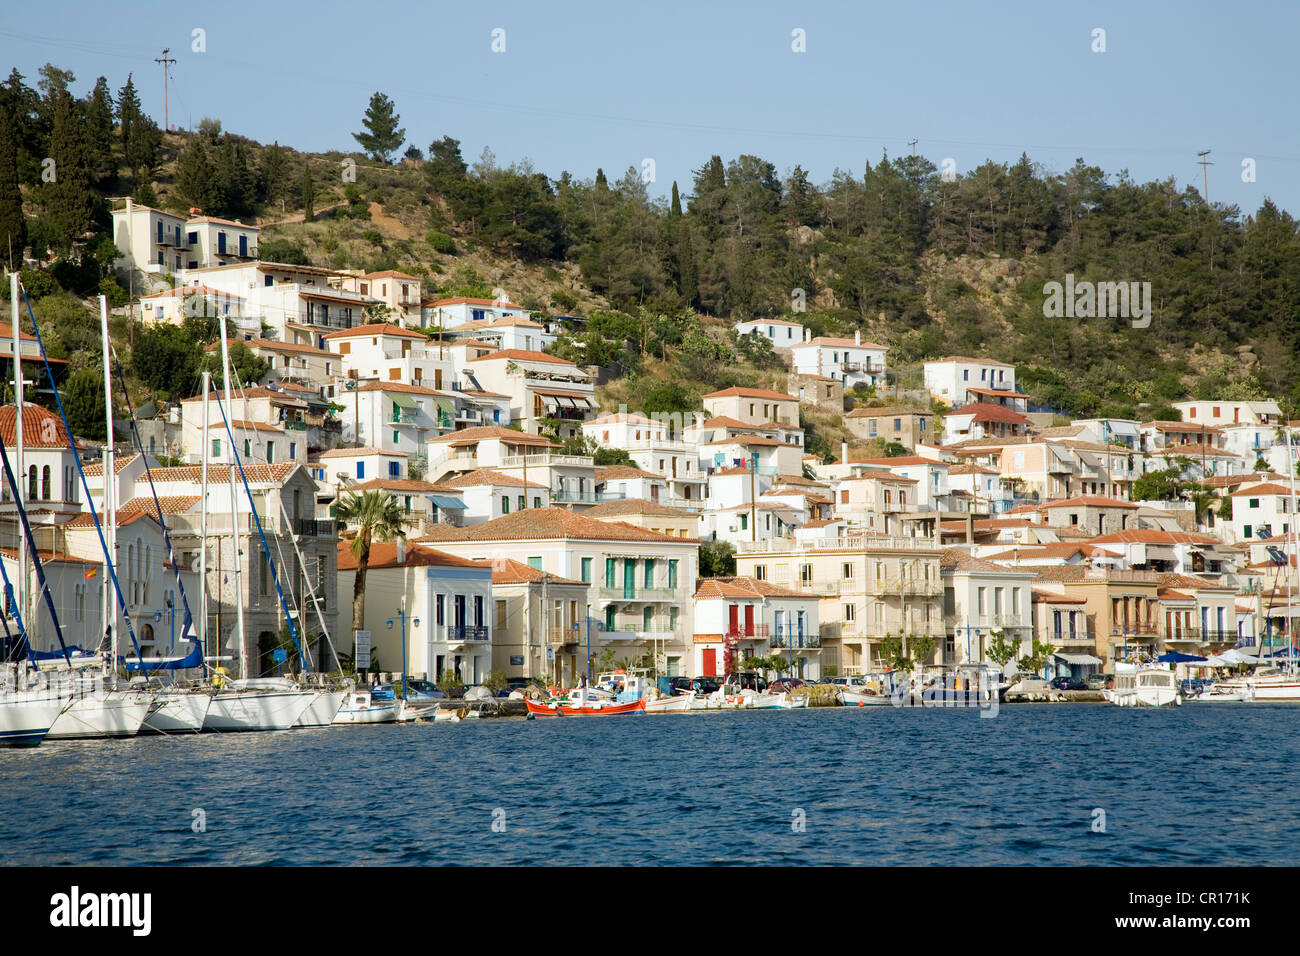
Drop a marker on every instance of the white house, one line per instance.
(850, 361)
(949, 378)
(448, 313)
(782, 333)
(751, 617)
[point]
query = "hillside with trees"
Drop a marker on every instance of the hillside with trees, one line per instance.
(926, 264)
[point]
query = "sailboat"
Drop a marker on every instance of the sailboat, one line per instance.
(271, 703)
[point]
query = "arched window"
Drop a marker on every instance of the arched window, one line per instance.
(31, 483)
(148, 566)
(45, 483)
(902, 499)
(886, 496)
(130, 570)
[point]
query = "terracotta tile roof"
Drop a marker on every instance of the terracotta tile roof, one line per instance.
(500, 322)
(7, 334)
(236, 425)
(639, 506)
(401, 388)
(828, 341)
(760, 440)
(95, 469)
(1154, 536)
(1268, 488)
(1089, 501)
(822, 522)
(86, 520)
(509, 571)
(524, 355)
(383, 554)
(973, 469)
(624, 471)
(1047, 597)
(1187, 582)
(620, 418)
(723, 421)
(181, 292)
(42, 428)
(797, 325)
(1191, 428)
(389, 274)
(886, 476)
(560, 523)
(400, 485)
(1052, 549)
(745, 588)
(487, 476)
(223, 222)
(1228, 481)
(47, 557)
(736, 390)
(220, 473)
(987, 412)
(375, 328)
(467, 436)
(271, 345)
(360, 453)
(999, 392)
(953, 559)
(256, 391)
(142, 506)
(1195, 450)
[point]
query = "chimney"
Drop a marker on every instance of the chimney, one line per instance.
(807, 334)
(970, 527)
(857, 337)
(401, 549)
(844, 453)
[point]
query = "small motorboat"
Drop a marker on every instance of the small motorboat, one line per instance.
(361, 707)
(680, 704)
(1144, 686)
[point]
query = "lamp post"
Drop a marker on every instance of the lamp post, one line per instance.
(402, 616)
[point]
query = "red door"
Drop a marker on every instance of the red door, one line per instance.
(749, 620)
(735, 620)
(710, 662)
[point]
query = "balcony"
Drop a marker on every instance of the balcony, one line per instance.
(1000, 621)
(546, 460)
(1194, 635)
(312, 527)
(467, 633)
(795, 640)
(640, 595)
(1071, 638)
(855, 543)
(909, 586)
(562, 635)
(405, 416)
(747, 632)
(294, 425)
(564, 497)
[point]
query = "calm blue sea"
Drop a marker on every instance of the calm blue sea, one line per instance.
(876, 785)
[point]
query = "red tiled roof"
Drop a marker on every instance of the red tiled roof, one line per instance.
(638, 506)
(462, 300)
(220, 473)
(510, 571)
(736, 390)
(400, 485)
(375, 328)
(1089, 501)
(901, 460)
(745, 589)
(560, 523)
(383, 554)
(524, 355)
(42, 428)
(467, 436)
(1268, 488)
(359, 453)
(487, 476)
(988, 412)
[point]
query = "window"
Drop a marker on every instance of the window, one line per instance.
(361, 469)
(850, 612)
(672, 573)
(760, 572)
(872, 426)
(744, 522)
(586, 570)
(649, 572)
(965, 375)
(523, 503)
(844, 496)
(1254, 502)
(293, 449)
(501, 616)
(537, 501)
(982, 600)
(31, 483)
(535, 562)
(45, 483)
(846, 570)
(394, 469)
(505, 504)
(805, 574)
(609, 572)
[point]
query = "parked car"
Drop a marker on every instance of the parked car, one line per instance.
(784, 685)
(423, 690)
(1069, 683)
(1099, 681)
(517, 683)
(701, 685)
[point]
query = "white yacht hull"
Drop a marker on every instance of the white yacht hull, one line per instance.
(854, 698)
(181, 712)
(1265, 688)
(241, 710)
(322, 711)
(102, 713)
(26, 717)
(669, 705)
(383, 712)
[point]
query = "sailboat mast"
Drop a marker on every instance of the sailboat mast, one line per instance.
(234, 505)
(1295, 550)
(18, 457)
(203, 522)
(110, 494)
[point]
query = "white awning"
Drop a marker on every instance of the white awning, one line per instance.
(1078, 659)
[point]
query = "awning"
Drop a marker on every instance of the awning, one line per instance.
(1078, 658)
(446, 405)
(1176, 657)
(447, 503)
(1121, 428)
(404, 401)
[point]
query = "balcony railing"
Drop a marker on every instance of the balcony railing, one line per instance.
(747, 631)
(1198, 636)
(640, 594)
(561, 496)
(1071, 637)
(467, 632)
(916, 586)
(854, 543)
(545, 460)
(313, 527)
(294, 425)
(796, 640)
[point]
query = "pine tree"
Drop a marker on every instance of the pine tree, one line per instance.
(20, 100)
(382, 138)
(196, 180)
(99, 127)
(13, 228)
(141, 137)
(234, 179)
(70, 201)
(273, 173)
(307, 190)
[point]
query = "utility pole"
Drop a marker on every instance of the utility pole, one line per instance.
(164, 60)
(1205, 174)
(913, 145)
(753, 500)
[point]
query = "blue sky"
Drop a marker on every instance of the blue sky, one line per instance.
(582, 85)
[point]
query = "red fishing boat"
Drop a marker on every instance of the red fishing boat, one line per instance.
(580, 703)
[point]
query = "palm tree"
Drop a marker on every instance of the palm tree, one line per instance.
(377, 516)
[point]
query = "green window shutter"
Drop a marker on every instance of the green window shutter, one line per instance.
(535, 562)
(672, 573)
(649, 572)
(586, 570)
(609, 572)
